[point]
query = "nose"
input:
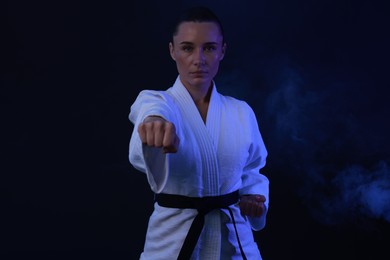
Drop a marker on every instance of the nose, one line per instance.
(199, 57)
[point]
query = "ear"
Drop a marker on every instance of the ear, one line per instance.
(223, 51)
(171, 51)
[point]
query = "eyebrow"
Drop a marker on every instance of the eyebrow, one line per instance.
(190, 43)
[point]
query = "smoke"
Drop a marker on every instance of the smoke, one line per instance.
(353, 195)
(365, 190)
(341, 172)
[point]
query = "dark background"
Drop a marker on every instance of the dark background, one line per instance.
(315, 72)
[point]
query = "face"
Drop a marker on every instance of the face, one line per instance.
(197, 49)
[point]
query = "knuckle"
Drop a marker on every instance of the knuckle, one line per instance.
(148, 126)
(141, 127)
(158, 123)
(170, 126)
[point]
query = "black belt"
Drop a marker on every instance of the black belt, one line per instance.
(204, 205)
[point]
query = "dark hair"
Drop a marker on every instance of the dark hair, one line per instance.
(197, 14)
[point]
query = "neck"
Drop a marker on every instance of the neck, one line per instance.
(200, 94)
(202, 100)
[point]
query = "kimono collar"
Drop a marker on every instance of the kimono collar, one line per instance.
(183, 93)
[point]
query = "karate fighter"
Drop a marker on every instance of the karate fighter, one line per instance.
(201, 152)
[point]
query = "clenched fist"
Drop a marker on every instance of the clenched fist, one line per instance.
(157, 132)
(252, 205)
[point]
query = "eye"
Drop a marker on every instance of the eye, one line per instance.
(210, 48)
(187, 48)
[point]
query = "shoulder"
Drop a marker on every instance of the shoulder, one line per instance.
(159, 96)
(235, 103)
(240, 110)
(148, 93)
(152, 102)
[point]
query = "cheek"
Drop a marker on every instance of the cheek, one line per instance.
(181, 66)
(183, 61)
(214, 64)
(215, 60)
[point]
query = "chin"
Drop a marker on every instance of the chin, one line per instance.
(201, 79)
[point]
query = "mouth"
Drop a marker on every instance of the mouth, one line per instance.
(199, 73)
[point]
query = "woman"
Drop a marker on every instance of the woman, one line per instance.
(201, 152)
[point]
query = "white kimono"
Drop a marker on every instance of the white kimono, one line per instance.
(214, 158)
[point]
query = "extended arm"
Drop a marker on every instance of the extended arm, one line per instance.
(157, 132)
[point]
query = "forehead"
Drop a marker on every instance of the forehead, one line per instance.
(198, 32)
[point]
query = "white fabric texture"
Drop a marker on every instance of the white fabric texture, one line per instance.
(214, 158)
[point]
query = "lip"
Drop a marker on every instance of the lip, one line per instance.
(199, 73)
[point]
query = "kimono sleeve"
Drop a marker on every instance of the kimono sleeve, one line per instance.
(149, 160)
(253, 181)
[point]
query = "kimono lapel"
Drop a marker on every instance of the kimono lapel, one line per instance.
(206, 136)
(214, 114)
